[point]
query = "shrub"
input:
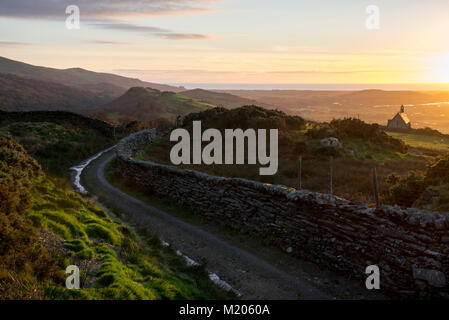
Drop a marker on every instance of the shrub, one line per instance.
(439, 171)
(404, 191)
(245, 117)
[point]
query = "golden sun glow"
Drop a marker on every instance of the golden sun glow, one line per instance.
(441, 68)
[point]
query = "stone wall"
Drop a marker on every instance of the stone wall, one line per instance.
(59, 117)
(411, 247)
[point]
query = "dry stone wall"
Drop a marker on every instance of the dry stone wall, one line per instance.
(411, 247)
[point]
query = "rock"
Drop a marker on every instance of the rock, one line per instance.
(331, 142)
(434, 278)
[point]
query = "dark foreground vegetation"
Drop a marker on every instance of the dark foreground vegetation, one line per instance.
(363, 146)
(57, 147)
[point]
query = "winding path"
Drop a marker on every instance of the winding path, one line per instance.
(250, 275)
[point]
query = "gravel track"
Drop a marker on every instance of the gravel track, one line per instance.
(252, 276)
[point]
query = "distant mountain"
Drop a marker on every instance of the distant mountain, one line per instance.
(103, 84)
(22, 94)
(223, 99)
(146, 104)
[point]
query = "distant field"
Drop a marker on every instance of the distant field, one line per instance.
(424, 109)
(420, 141)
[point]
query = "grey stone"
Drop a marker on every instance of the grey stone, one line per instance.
(434, 278)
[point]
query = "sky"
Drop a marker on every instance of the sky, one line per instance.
(234, 43)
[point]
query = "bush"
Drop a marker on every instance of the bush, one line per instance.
(356, 128)
(245, 117)
(404, 191)
(438, 172)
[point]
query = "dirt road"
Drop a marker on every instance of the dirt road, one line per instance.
(252, 276)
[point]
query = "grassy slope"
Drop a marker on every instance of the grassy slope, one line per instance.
(117, 264)
(57, 147)
(218, 98)
(352, 174)
(146, 104)
(423, 142)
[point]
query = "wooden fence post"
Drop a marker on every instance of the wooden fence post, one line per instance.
(331, 160)
(300, 173)
(376, 188)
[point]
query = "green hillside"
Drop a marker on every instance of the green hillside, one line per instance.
(363, 146)
(222, 99)
(57, 147)
(423, 141)
(145, 104)
(45, 226)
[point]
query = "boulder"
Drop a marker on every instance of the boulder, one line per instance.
(331, 142)
(434, 278)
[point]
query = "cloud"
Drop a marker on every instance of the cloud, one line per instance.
(128, 27)
(183, 36)
(153, 31)
(108, 42)
(103, 13)
(103, 8)
(11, 43)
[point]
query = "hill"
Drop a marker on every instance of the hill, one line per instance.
(105, 85)
(222, 99)
(23, 94)
(57, 147)
(361, 146)
(145, 104)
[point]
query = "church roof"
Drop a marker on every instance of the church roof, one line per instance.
(403, 116)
